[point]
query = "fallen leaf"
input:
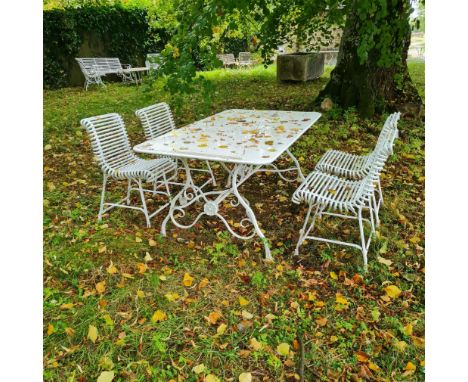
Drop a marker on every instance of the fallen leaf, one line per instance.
(106, 363)
(247, 315)
(172, 296)
(255, 345)
(140, 294)
(102, 249)
(321, 321)
(283, 349)
(392, 291)
(92, 333)
(67, 306)
(70, 332)
(159, 316)
(188, 280)
(152, 243)
(138, 239)
(333, 276)
(199, 368)
(213, 317)
(245, 377)
(221, 329)
(101, 287)
(243, 301)
(340, 299)
(142, 267)
(361, 356)
(408, 329)
(106, 376)
(203, 283)
(384, 261)
(111, 269)
(373, 366)
(211, 378)
(50, 329)
(410, 366)
(400, 345)
(148, 258)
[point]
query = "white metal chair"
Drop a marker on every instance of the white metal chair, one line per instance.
(245, 59)
(328, 194)
(153, 61)
(158, 120)
(117, 160)
(352, 166)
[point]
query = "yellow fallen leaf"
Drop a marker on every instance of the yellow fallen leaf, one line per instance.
(321, 321)
(243, 301)
(245, 377)
(361, 356)
(67, 306)
(408, 329)
(283, 349)
(340, 299)
(101, 287)
(106, 376)
(142, 268)
(102, 249)
(106, 363)
(172, 296)
(50, 329)
(255, 345)
(333, 338)
(213, 317)
(333, 276)
(158, 316)
(188, 280)
(392, 291)
(221, 329)
(410, 366)
(70, 331)
(400, 345)
(203, 283)
(331, 191)
(138, 239)
(247, 315)
(199, 368)
(148, 258)
(418, 341)
(140, 294)
(92, 333)
(111, 268)
(152, 243)
(373, 366)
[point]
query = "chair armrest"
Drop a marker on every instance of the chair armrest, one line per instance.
(126, 66)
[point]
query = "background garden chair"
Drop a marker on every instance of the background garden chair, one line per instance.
(227, 59)
(351, 166)
(153, 60)
(328, 194)
(158, 120)
(245, 59)
(117, 160)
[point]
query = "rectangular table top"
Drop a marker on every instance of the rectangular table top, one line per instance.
(138, 69)
(256, 137)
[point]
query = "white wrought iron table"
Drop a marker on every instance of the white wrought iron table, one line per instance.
(244, 142)
(135, 73)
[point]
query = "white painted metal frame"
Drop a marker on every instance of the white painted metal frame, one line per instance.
(112, 149)
(351, 166)
(245, 142)
(328, 194)
(94, 68)
(245, 59)
(158, 120)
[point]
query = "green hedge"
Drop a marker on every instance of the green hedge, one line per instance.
(121, 32)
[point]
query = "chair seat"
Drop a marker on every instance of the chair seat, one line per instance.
(343, 164)
(330, 191)
(149, 170)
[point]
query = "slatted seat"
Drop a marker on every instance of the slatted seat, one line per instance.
(328, 194)
(117, 160)
(158, 120)
(94, 68)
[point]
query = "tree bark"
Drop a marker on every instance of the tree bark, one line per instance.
(377, 84)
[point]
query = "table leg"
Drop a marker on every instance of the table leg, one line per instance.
(211, 200)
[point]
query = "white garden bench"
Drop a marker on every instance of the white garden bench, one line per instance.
(94, 68)
(227, 59)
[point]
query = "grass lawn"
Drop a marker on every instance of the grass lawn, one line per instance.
(119, 297)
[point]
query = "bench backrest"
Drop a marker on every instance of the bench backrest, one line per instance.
(103, 65)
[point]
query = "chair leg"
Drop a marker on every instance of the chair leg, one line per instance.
(129, 190)
(376, 210)
(371, 214)
(381, 201)
(211, 173)
(303, 232)
(103, 195)
(143, 202)
(363, 239)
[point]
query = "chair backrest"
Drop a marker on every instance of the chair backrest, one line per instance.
(245, 57)
(156, 120)
(230, 59)
(109, 141)
(153, 60)
(113, 63)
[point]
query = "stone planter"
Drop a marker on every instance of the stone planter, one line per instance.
(299, 66)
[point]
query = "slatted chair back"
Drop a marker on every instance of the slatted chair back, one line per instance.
(153, 60)
(109, 141)
(245, 58)
(87, 65)
(156, 120)
(229, 59)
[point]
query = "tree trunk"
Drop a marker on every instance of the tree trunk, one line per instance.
(379, 82)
